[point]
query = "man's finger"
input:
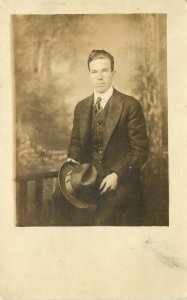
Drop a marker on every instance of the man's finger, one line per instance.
(113, 187)
(106, 188)
(103, 183)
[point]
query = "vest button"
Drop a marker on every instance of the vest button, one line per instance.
(97, 133)
(100, 161)
(100, 151)
(97, 123)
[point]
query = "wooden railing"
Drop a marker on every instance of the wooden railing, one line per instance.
(24, 217)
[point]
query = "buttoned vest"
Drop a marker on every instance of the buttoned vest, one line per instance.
(96, 136)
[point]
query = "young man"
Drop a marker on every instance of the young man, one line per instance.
(109, 132)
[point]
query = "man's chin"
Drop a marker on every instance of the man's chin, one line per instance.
(101, 89)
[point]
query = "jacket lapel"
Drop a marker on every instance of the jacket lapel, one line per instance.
(85, 120)
(114, 112)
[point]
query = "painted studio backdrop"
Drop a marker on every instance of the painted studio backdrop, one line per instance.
(51, 76)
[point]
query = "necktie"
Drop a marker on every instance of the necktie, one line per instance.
(97, 106)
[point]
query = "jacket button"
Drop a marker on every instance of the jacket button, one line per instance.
(100, 151)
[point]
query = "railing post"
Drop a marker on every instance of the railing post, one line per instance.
(24, 216)
(23, 201)
(38, 197)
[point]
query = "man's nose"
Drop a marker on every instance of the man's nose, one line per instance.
(100, 76)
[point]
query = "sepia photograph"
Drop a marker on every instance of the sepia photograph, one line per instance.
(91, 125)
(92, 159)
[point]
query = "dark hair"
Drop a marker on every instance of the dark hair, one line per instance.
(96, 54)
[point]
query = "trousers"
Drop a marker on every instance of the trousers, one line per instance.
(114, 208)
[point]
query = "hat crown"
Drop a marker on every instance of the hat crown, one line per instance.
(77, 184)
(83, 176)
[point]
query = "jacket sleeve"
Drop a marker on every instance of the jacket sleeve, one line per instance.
(138, 143)
(75, 149)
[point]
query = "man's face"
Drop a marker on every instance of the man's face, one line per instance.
(101, 74)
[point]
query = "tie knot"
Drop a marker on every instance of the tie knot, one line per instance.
(98, 100)
(97, 106)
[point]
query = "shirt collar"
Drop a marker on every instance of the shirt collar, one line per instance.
(104, 96)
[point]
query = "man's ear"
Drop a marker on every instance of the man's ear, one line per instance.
(114, 72)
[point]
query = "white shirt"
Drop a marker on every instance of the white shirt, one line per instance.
(104, 96)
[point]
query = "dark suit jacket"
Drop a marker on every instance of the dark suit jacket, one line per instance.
(125, 151)
(125, 141)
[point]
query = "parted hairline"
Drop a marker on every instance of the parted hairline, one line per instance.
(100, 54)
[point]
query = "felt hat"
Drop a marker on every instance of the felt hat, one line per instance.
(77, 183)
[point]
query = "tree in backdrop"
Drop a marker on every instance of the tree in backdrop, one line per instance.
(42, 59)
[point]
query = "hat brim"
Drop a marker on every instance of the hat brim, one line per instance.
(64, 169)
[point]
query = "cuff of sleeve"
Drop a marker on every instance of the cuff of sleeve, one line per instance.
(130, 171)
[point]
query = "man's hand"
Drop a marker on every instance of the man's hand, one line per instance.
(109, 183)
(72, 160)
